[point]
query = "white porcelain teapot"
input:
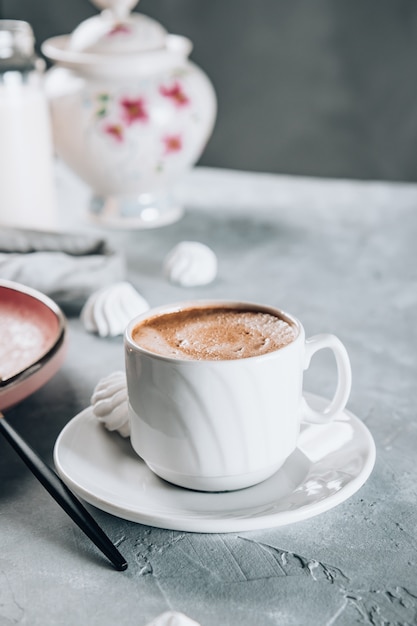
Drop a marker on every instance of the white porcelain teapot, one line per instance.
(130, 113)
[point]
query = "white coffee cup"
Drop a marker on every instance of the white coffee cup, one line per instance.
(219, 425)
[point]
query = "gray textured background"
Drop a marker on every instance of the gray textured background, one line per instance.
(325, 88)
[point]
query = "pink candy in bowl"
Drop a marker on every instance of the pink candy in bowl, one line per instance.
(32, 341)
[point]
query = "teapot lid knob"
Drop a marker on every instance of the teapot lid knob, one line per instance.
(117, 31)
(119, 8)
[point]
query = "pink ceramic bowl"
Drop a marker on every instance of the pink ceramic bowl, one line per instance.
(32, 341)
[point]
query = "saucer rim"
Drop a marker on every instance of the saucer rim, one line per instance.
(170, 519)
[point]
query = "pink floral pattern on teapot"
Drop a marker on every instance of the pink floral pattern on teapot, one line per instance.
(151, 128)
(132, 110)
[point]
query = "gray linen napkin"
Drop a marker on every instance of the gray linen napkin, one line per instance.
(66, 267)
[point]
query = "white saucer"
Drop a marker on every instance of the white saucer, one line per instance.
(330, 464)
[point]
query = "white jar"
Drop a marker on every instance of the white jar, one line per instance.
(27, 194)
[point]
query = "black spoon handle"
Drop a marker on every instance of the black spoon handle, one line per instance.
(65, 498)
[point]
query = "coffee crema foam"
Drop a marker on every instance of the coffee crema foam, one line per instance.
(213, 334)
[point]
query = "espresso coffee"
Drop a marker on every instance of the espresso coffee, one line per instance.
(214, 334)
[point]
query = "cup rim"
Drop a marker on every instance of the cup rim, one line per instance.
(183, 305)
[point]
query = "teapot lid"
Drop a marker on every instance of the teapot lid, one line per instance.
(117, 43)
(116, 31)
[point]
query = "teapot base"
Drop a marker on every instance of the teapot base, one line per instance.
(140, 211)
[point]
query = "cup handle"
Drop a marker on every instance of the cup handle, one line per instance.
(344, 378)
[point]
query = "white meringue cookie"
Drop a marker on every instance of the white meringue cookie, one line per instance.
(108, 310)
(191, 263)
(109, 403)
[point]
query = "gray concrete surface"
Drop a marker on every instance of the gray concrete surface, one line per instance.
(341, 255)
